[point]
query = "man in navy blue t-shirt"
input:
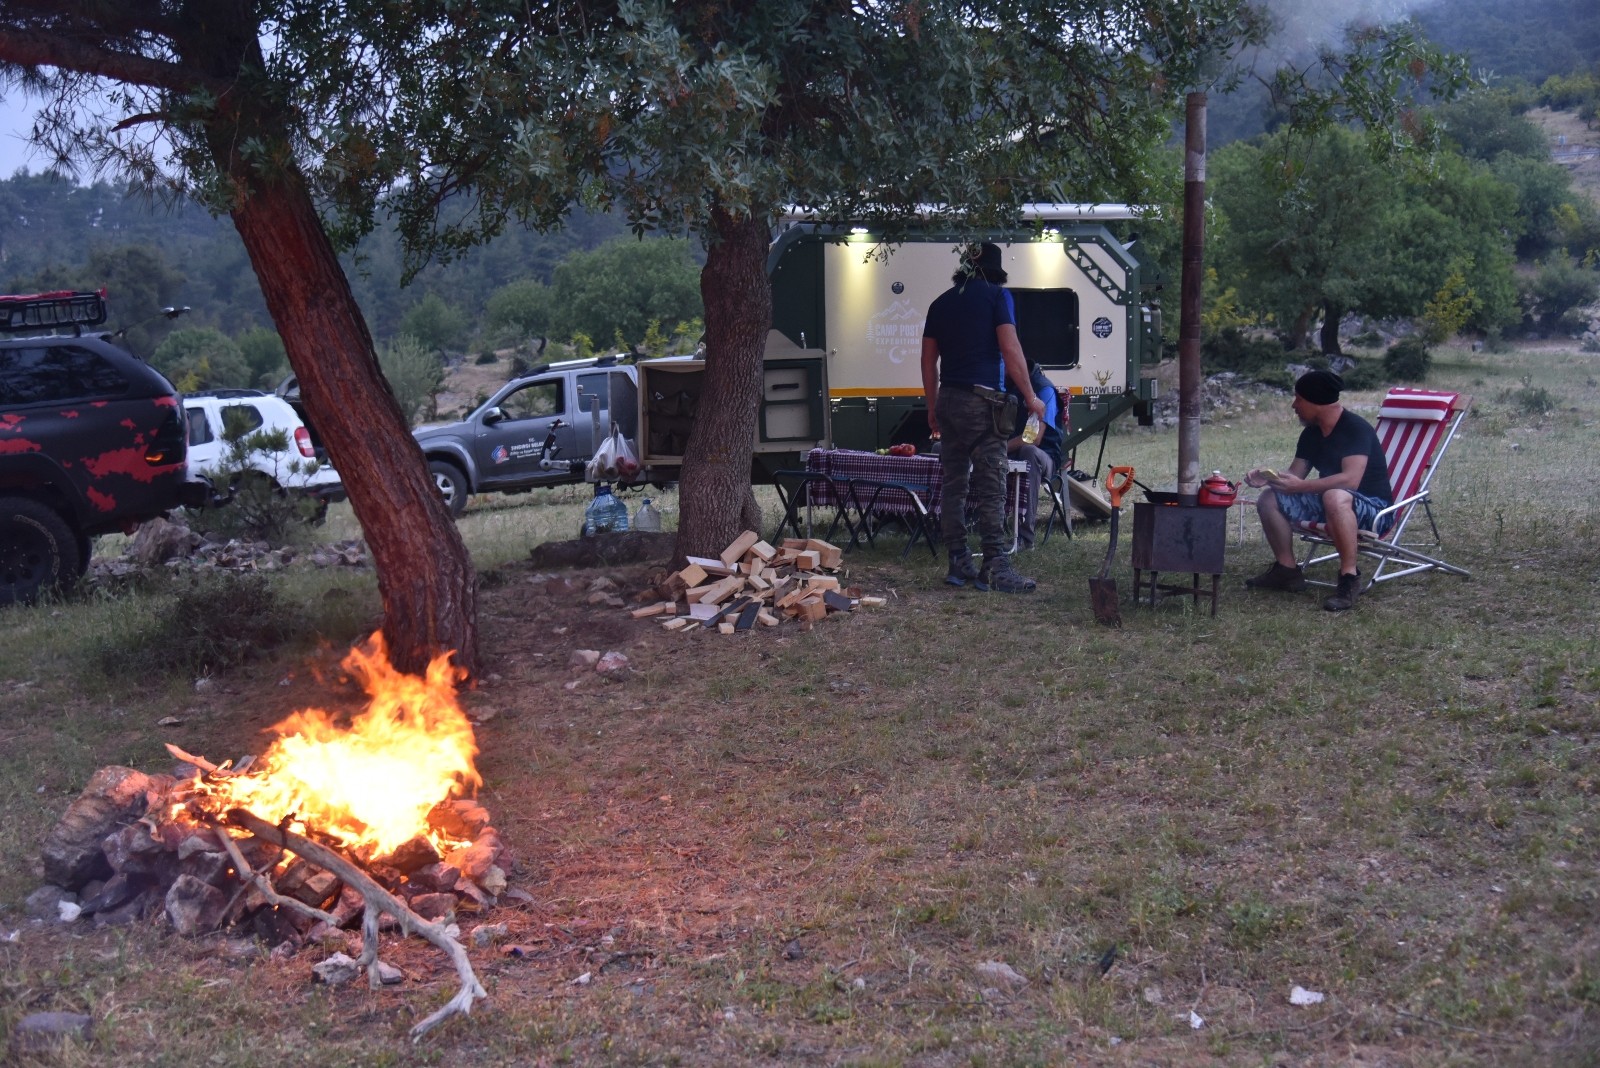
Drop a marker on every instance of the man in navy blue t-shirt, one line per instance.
(969, 350)
(1351, 488)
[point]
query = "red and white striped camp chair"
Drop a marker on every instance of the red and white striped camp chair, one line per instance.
(1414, 426)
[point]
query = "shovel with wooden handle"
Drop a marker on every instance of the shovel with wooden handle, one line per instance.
(1103, 590)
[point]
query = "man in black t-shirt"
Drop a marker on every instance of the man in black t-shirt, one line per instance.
(1351, 488)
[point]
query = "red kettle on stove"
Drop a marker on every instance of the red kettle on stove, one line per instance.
(1217, 492)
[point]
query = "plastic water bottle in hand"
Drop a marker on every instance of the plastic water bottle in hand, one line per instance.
(1032, 430)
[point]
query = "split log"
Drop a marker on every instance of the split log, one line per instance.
(378, 900)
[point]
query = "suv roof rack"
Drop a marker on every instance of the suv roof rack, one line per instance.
(53, 310)
(226, 394)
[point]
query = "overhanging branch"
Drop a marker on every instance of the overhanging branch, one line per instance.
(30, 50)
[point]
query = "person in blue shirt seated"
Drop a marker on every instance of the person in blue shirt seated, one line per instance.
(1044, 458)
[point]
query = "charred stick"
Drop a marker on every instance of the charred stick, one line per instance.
(264, 885)
(377, 900)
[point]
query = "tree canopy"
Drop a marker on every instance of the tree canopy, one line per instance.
(1338, 231)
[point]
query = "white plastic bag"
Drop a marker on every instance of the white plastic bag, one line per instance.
(616, 460)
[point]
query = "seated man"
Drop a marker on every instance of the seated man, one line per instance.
(1352, 487)
(1042, 458)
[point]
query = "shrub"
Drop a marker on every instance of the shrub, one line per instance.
(415, 373)
(260, 509)
(486, 357)
(1365, 374)
(1367, 339)
(1408, 360)
(217, 621)
(1530, 400)
(1230, 349)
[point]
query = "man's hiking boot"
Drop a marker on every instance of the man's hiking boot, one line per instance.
(962, 569)
(1278, 577)
(1344, 597)
(1000, 576)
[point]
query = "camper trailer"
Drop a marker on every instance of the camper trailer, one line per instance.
(844, 356)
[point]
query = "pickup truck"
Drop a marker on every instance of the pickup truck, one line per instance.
(541, 428)
(91, 441)
(538, 429)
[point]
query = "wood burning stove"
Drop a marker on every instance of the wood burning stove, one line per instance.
(1181, 539)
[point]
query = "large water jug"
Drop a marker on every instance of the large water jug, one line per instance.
(605, 514)
(648, 517)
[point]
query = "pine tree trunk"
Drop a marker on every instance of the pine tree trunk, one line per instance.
(714, 495)
(425, 575)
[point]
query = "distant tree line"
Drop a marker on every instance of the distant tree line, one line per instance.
(587, 288)
(1488, 237)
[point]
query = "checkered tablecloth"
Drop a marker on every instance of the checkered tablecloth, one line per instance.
(922, 472)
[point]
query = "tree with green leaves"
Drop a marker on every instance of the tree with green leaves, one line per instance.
(181, 97)
(435, 324)
(519, 311)
(138, 280)
(263, 350)
(202, 357)
(618, 289)
(1334, 230)
(415, 373)
(714, 118)
(703, 118)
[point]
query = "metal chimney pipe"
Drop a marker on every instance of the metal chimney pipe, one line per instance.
(1191, 284)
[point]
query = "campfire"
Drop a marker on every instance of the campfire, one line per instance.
(341, 820)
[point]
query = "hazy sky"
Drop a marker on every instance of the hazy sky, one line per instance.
(16, 119)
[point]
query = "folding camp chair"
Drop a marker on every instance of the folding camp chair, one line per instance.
(1415, 427)
(1059, 513)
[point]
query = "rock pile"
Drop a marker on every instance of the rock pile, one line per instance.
(170, 544)
(1226, 393)
(130, 847)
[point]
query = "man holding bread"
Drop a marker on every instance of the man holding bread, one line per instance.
(1350, 488)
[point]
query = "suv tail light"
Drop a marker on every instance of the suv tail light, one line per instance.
(170, 443)
(302, 440)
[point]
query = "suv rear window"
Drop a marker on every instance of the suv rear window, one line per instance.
(240, 419)
(56, 373)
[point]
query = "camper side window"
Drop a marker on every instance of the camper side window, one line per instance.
(1047, 325)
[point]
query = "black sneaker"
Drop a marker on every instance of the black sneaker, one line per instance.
(1344, 597)
(1278, 577)
(962, 570)
(998, 575)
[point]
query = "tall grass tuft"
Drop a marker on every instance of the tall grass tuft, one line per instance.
(216, 621)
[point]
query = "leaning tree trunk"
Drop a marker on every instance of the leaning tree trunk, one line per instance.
(714, 495)
(425, 575)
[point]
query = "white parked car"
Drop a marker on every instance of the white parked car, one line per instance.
(295, 469)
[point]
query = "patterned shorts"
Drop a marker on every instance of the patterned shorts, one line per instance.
(1307, 508)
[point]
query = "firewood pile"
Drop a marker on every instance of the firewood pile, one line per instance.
(751, 582)
(133, 847)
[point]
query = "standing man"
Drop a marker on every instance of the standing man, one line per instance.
(1352, 487)
(969, 350)
(1043, 457)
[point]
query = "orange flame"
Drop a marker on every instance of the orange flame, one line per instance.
(371, 783)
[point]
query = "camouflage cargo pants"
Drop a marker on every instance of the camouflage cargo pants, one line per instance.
(972, 456)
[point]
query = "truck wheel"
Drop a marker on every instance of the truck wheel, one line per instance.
(38, 551)
(451, 483)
